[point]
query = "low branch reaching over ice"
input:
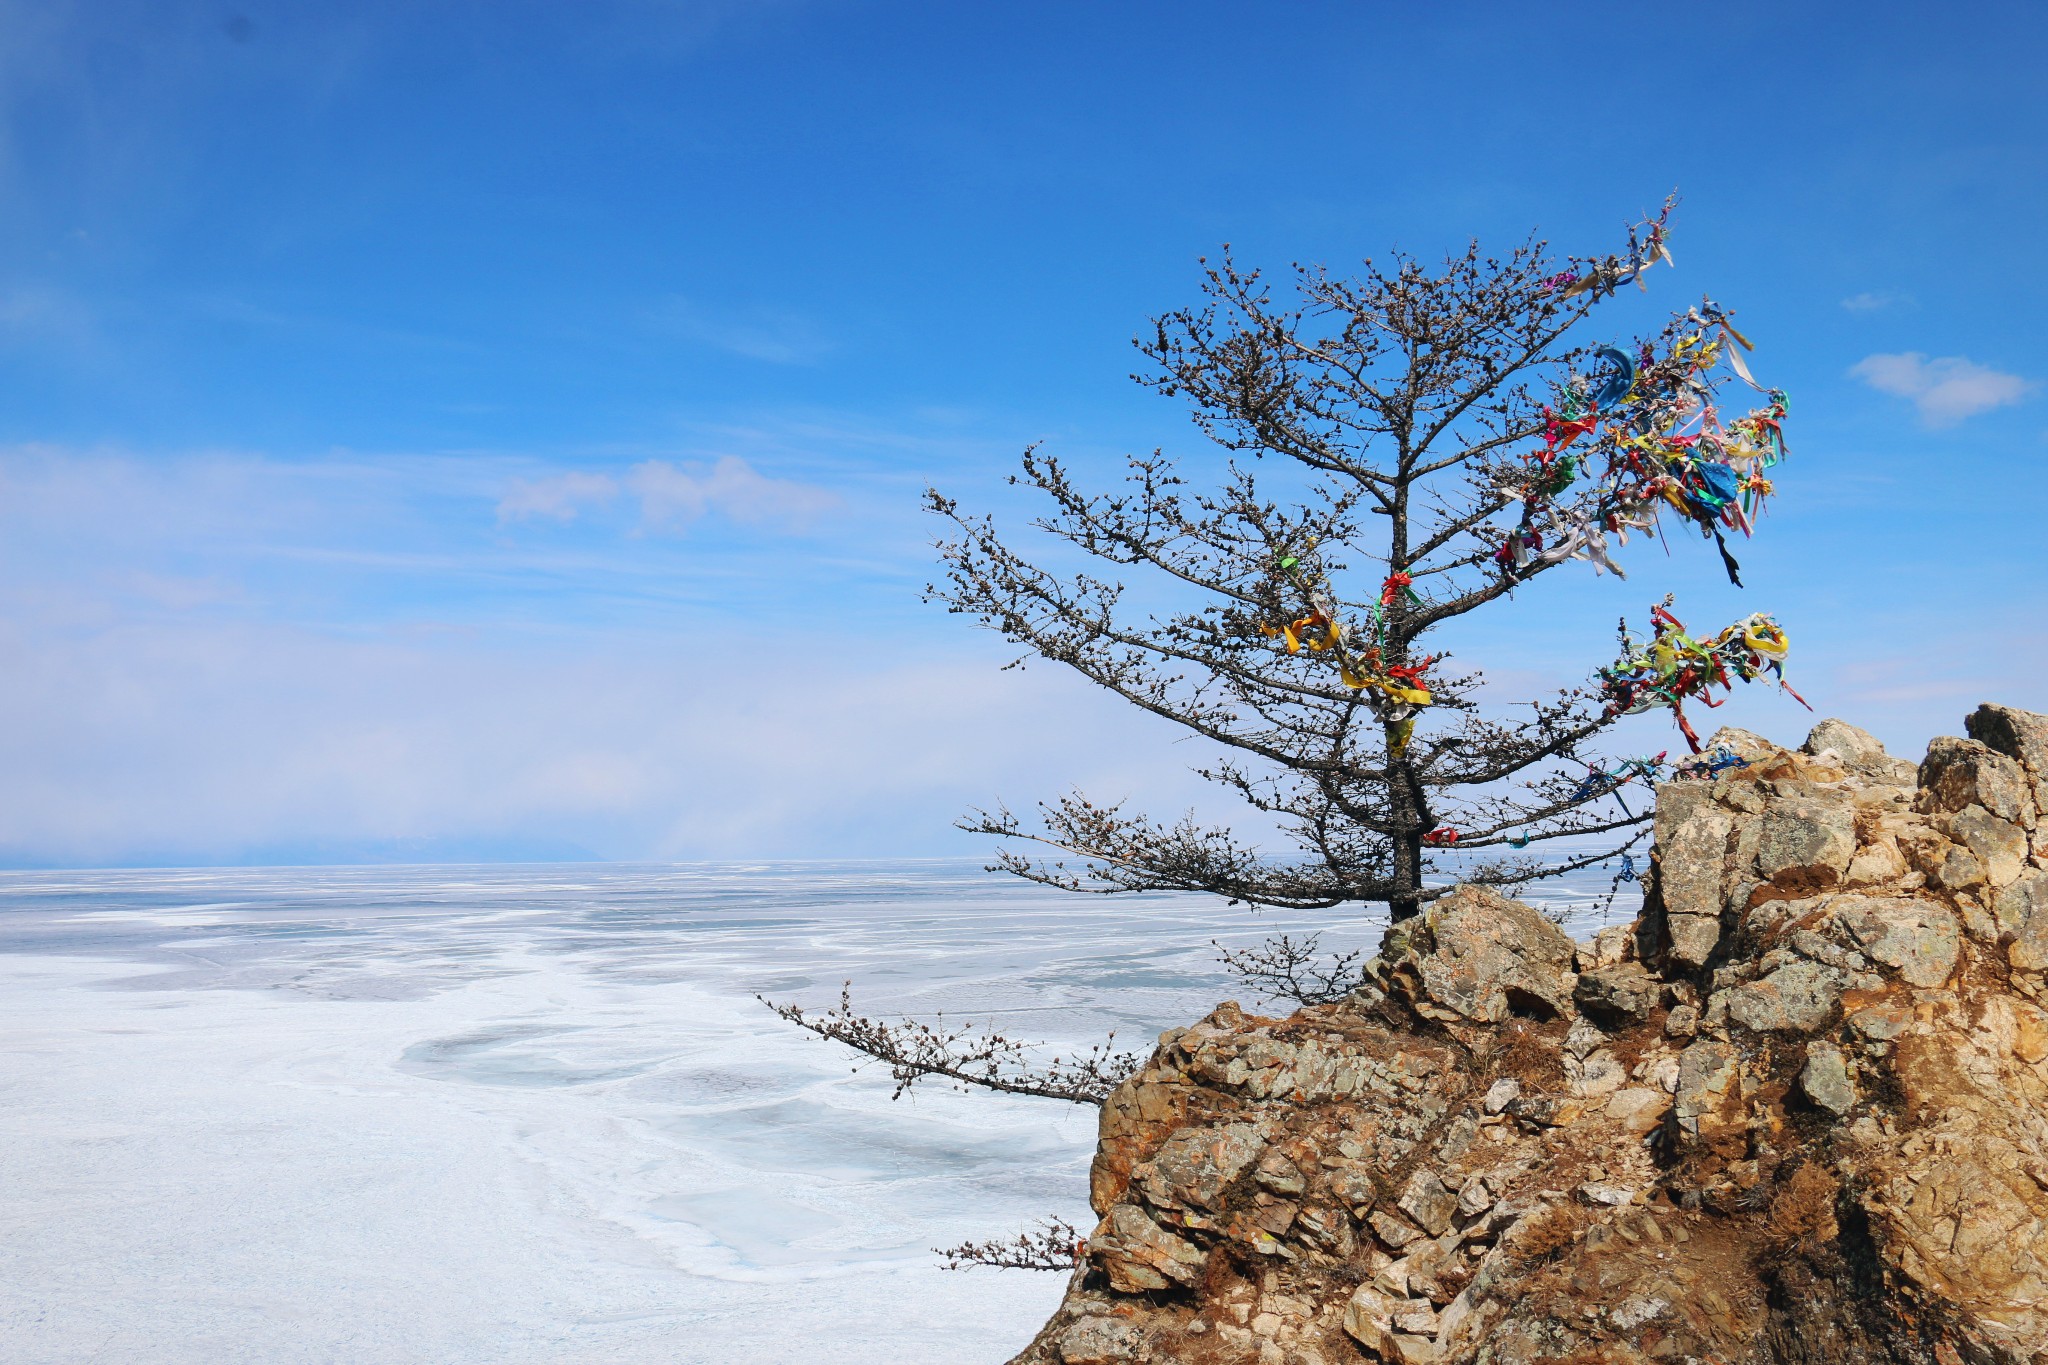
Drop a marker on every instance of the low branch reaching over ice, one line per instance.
(1286, 969)
(1055, 1244)
(914, 1050)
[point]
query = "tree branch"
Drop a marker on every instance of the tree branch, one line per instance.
(914, 1051)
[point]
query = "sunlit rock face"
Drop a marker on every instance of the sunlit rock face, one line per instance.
(1798, 1111)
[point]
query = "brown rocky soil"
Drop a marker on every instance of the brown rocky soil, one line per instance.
(1797, 1112)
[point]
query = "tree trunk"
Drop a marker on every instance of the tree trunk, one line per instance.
(1411, 819)
(1407, 898)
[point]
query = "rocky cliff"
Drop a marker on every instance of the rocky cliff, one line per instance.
(1798, 1111)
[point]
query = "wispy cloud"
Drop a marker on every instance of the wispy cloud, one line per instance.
(183, 593)
(673, 497)
(206, 739)
(1945, 389)
(774, 335)
(1876, 303)
(365, 543)
(558, 497)
(219, 653)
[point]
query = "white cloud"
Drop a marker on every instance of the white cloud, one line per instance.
(199, 740)
(206, 657)
(1946, 389)
(559, 497)
(1875, 303)
(675, 496)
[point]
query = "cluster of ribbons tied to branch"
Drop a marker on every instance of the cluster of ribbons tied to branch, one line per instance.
(1649, 438)
(1399, 691)
(1619, 448)
(1672, 667)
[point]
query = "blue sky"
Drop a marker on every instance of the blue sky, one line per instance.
(496, 429)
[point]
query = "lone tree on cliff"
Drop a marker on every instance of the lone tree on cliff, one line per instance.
(1443, 443)
(1440, 437)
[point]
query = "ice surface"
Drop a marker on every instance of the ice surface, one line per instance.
(526, 1114)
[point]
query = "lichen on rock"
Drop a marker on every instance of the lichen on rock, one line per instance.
(1797, 1112)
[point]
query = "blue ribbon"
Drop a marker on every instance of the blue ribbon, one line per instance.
(1619, 383)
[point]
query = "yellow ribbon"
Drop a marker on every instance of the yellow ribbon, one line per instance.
(1766, 638)
(1357, 678)
(1301, 632)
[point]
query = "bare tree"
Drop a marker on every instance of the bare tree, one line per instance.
(1432, 439)
(1449, 428)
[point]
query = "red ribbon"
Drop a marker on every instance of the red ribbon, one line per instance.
(1410, 674)
(1557, 435)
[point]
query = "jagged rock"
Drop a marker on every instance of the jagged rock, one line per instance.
(1425, 1200)
(2019, 735)
(1876, 863)
(1138, 1254)
(1397, 1232)
(1693, 938)
(1919, 939)
(1827, 1149)
(1962, 772)
(1959, 870)
(1638, 1110)
(1825, 1079)
(1101, 1341)
(1475, 955)
(1373, 1318)
(1708, 1085)
(2022, 911)
(1196, 1164)
(1796, 998)
(1610, 946)
(1692, 838)
(1847, 742)
(1740, 742)
(1806, 843)
(1857, 750)
(1622, 993)
(1999, 846)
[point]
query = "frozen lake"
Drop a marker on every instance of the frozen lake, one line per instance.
(534, 1114)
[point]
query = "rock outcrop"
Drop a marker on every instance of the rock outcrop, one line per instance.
(1798, 1111)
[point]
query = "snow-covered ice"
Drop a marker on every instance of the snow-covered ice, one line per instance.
(527, 1114)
